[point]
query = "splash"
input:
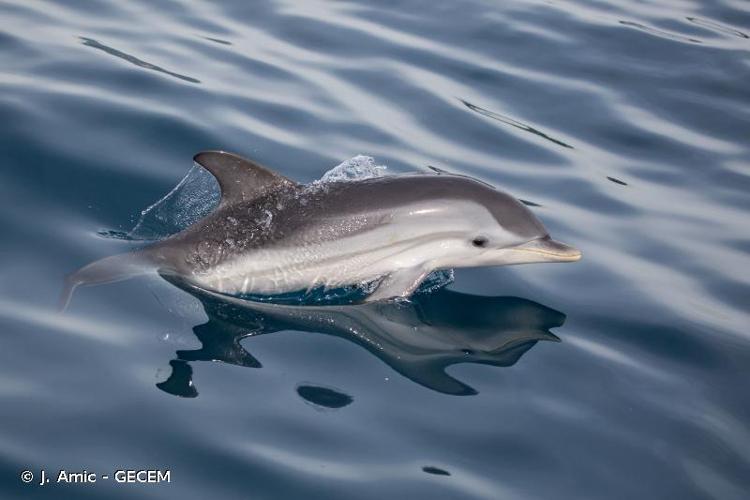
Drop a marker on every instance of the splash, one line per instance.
(435, 281)
(354, 169)
(190, 200)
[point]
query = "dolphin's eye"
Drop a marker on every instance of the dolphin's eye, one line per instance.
(480, 241)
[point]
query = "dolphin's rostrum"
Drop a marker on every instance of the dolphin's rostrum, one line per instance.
(270, 235)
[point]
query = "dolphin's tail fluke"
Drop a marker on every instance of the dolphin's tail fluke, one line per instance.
(107, 270)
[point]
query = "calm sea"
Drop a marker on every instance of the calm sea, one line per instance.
(626, 125)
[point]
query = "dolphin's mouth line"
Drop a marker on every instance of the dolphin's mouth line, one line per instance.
(553, 254)
(548, 247)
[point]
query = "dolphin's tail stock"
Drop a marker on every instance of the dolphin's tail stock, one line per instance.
(107, 270)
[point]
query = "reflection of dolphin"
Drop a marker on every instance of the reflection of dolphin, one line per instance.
(418, 339)
(270, 235)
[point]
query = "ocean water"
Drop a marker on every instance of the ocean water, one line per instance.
(625, 125)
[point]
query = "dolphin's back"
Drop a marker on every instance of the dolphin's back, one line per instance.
(338, 209)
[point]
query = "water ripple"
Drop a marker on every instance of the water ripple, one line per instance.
(721, 28)
(513, 123)
(217, 40)
(90, 42)
(622, 125)
(658, 32)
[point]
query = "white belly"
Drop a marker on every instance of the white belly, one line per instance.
(349, 261)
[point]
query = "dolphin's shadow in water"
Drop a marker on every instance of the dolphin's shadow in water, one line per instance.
(419, 339)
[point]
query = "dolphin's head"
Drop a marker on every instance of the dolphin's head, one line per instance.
(497, 229)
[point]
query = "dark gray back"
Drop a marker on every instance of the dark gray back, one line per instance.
(330, 211)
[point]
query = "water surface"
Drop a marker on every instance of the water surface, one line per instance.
(624, 125)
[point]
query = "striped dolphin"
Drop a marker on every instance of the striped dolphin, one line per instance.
(270, 235)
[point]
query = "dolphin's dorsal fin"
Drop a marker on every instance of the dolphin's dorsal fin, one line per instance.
(240, 179)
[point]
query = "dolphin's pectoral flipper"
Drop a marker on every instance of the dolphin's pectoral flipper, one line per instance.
(400, 283)
(107, 270)
(240, 179)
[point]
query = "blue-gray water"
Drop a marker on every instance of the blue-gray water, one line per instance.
(628, 123)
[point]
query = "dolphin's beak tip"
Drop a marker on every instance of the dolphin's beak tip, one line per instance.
(563, 252)
(572, 255)
(552, 251)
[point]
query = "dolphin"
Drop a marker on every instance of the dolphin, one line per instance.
(270, 235)
(419, 338)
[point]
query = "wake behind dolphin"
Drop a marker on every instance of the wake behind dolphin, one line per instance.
(270, 235)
